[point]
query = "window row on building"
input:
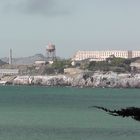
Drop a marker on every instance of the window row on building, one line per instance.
(102, 55)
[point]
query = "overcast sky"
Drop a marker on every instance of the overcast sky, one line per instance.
(27, 26)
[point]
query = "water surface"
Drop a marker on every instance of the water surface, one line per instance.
(42, 113)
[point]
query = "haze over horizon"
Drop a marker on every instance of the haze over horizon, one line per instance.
(27, 26)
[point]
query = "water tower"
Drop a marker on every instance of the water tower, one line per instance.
(51, 55)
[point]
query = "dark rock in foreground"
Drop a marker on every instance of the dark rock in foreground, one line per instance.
(133, 112)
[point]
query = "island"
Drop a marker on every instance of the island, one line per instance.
(112, 73)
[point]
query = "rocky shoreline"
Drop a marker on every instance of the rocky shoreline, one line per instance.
(86, 79)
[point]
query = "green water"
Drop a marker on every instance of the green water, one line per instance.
(42, 113)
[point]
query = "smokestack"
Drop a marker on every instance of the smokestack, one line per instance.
(10, 57)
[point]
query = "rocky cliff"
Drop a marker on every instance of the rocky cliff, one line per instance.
(109, 79)
(58, 80)
(98, 79)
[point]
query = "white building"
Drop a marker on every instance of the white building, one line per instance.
(40, 62)
(9, 71)
(102, 55)
(135, 54)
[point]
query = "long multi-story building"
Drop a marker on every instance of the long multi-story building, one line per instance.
(102, 55)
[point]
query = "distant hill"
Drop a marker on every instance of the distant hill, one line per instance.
(2, 63)
(26, 60)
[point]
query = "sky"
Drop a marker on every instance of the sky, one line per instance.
(27, 26)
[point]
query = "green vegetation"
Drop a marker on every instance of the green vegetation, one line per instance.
(57, 67)
(60, 64)
(49, 69)
(111, 64)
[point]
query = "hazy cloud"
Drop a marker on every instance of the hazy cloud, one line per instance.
(40, 7)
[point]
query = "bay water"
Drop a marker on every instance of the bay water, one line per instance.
(64, 113)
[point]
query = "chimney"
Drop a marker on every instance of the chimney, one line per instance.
(10, 57)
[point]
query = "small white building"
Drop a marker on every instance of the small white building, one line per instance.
(72, 71)
(40, 62)
(135, 66)
(9, 72)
